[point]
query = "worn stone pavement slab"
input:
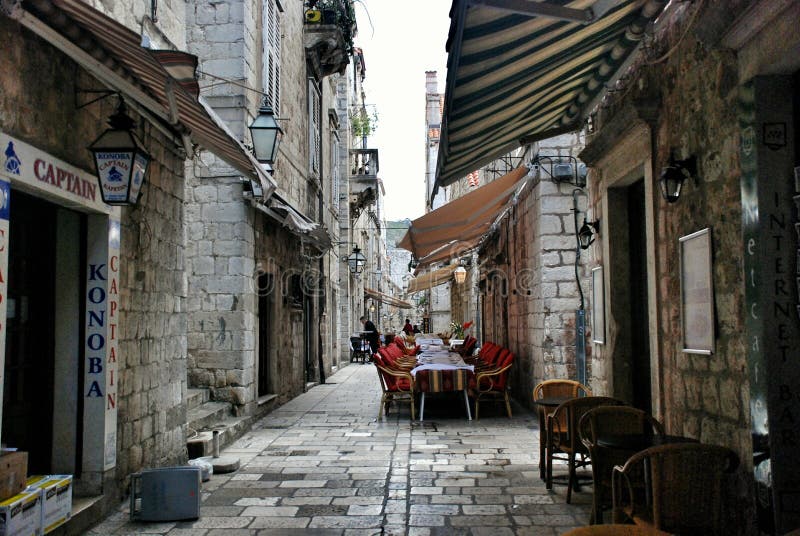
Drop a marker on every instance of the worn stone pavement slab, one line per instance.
(324, 465)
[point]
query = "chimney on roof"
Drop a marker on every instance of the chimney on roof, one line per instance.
(431, 82)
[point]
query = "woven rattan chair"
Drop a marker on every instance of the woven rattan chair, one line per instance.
(684, 484)
(608, 421)
(563, 439)
(550, 389)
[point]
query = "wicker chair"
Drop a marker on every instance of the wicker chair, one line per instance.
(563, 438)
(397, 386)
(608, 421)
(493, 383)
(549, 389)
(684, 484)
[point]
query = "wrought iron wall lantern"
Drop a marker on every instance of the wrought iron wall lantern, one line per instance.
(587, 233)
(673, 176)
(460, 275)
(413, 263)
(120, 160)
(356, 261)
(266, 134)
(561, 169)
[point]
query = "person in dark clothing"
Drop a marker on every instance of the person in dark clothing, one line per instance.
(408, 329)
(372, 335)
(416, 329)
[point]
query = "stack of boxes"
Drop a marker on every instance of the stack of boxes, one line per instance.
(31, 506)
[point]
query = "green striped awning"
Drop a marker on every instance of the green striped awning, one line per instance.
(519, 71)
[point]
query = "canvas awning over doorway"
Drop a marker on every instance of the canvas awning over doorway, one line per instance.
(519, 72)
(462, 220)
(432, 279)
(385, 298)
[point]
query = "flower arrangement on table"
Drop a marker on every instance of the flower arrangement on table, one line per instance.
(459, 329)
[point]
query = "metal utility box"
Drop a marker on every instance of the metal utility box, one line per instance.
(166, 494)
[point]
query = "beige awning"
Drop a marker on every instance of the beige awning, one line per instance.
(453, 250)
(462, 220)
(431, 279)
(385, 298)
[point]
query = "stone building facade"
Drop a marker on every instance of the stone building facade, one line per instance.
(221, 270)
(129, 262)
(720, 84)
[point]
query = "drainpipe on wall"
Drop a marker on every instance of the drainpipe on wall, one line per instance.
(580, 313)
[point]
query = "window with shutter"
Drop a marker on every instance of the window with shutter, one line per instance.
(314, 126)
(272, 54)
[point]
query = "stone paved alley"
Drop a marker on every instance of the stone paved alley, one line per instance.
(323, 464)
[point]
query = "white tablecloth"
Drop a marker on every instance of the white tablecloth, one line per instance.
(440, 366)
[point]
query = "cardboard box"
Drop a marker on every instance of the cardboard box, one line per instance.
(21, 515)
(56, 499)
(13, 471)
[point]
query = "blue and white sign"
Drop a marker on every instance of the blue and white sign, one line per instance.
(114, 169)
(12, 162)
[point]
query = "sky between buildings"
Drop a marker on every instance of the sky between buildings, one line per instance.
(405, 39)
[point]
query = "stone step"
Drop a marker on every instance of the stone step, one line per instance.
(196, 397)
(207, 414)
(230, 429)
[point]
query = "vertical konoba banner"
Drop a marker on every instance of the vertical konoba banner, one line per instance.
(102, 312)
(5, 193)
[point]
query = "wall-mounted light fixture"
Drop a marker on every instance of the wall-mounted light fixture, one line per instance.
(460, 275)
(588, 232)
(561, 168)
(413, 263)
(266, 134)
(356, 261)
(120, 160)
(673, 176)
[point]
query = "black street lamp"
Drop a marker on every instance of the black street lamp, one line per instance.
(120, 160)
(356, 261)
(266, 135)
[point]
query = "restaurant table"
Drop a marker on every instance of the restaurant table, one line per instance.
(544, 404)
(429, 340)
(442, 372)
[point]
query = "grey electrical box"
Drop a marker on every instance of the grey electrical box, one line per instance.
(166, 494)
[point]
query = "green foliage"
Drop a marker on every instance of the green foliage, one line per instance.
(363, 123)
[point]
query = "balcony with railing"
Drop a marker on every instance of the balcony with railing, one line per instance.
(328, 32)
(363, 178)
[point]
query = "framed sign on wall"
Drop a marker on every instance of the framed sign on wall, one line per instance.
(697, 293)
(598, 307)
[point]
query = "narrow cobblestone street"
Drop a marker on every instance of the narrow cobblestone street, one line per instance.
(323, 464)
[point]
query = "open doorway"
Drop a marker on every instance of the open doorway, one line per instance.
(628, 293)
(266, 303)
(41, 406)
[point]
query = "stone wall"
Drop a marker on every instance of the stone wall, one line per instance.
(691, 109)
(168, 28)
(530, 293)
(37, 105)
